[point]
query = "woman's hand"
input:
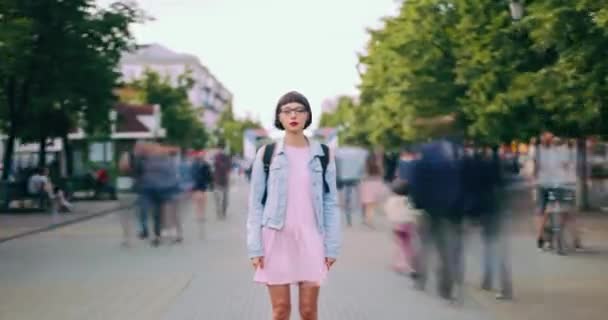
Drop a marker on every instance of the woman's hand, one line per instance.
(257, 262)
(329, 262)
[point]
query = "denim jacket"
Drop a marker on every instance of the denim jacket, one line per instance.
(272, 215)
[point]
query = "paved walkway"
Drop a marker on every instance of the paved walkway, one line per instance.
(15, 224)
(82, 272)
(548, 286)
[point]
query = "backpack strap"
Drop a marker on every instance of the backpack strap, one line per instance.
(324, 162)
(266, 160)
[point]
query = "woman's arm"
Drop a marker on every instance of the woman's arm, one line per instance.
(255, 208)
(331, 212)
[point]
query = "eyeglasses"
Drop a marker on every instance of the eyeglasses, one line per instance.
(298, 111)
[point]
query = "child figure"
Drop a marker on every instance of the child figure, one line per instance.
(403, 220)
(371, 189)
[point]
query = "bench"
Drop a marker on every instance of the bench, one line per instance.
(84, 187)
(12, 192)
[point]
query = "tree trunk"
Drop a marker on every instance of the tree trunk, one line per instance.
(582, 192)
(69, 157)
(11, 100)
(8, 155)
(42, 152)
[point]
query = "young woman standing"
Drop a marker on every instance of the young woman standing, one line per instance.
(293, 225)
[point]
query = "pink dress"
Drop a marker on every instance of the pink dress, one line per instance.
(371, 189)
(295, 253)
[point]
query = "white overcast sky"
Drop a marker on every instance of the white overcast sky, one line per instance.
(261, 49)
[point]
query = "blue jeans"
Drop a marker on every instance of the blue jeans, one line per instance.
(447, 239)
(350, 189)
(154, 199)
(496, 255)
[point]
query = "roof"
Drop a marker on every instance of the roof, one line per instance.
(129, 117)
(158, 54)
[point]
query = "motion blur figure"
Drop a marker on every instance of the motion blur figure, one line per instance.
(201, 174)
(350, 166)
(485, 203)
(436, 187)
(158, 185)
(371, 189)
(404, 217)
(222, 166)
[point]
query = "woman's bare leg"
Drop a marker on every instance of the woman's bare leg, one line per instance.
(170, 208)
(369, 213)
(280, 297)
(399, 261)
(309, 297)
(200, 199)
(200, 204)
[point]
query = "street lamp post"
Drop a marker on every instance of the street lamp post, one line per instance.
(113, 118)
(516, 7)
(108, 146)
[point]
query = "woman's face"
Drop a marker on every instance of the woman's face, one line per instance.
(293, 116)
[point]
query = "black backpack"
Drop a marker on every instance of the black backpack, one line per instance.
(269, 152)
(202, 173)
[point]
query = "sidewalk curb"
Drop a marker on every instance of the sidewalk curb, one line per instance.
(66, 223)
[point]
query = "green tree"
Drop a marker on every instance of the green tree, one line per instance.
(179, 118)
(409, 72)
(545, 69)
(233, 130)
(59, 60)
(349, 117)
(499, 79)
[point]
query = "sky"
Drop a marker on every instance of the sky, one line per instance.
(260, 49)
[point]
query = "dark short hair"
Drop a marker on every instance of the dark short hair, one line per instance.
(291, 97)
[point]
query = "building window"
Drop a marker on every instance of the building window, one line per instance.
(101, 152)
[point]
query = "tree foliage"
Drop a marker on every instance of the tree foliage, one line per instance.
(499, 79)
(59, 63)
(233, 129)
(179, 118)
(349, 118)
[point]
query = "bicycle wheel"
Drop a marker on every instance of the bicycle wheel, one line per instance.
(558, 234)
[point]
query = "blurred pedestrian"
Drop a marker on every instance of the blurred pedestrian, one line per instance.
(350, 166)
(136, 168)
(372, 190)
(201, 172)
(159, 182)
(174, 195)
(403, 215)
(293, 224)
(222, 166)
(102, 183)
(493, 201)
(555, 170)
(125, 171)
(403, 218)
(436, 187)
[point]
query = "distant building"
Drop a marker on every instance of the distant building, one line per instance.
(329, 105)
(208, 96)
(132, 123)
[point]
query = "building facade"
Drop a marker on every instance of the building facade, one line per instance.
(208, 96)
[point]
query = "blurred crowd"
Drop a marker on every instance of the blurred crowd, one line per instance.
(162, 176)
(431, 192)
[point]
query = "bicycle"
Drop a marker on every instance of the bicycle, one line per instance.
(560, 203)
